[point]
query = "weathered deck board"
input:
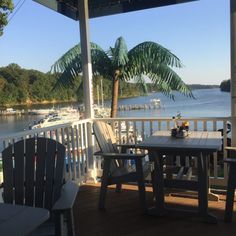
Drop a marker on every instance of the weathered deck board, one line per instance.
(123, 216)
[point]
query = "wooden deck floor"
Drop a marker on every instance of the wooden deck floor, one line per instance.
(123, 216)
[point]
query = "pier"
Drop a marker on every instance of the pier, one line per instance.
(139, 107)
(11, 111)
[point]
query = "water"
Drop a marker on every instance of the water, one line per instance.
(208, 103)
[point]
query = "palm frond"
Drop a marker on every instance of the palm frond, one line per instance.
(165, 89)
(72, 69)
(146, 54)
(70, 64)
(61, 64)
(155, 61)
(101, 63)
(168, 80)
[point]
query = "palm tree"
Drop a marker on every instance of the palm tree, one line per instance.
(146, 59)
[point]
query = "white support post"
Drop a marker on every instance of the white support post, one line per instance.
(102, 97)
(86, 58)
(233, 68)
(87, 76)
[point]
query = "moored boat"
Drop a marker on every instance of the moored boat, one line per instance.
(55, 119)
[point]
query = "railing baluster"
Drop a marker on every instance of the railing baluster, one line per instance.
(119, 130)
(135, 132)
(224, 151)
(86, 146)
(78, 148)
(142, 130)
(83, 148)
(215, 165)
(73, 152)
(127, 125)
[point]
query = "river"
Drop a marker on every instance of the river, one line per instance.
(207, 103)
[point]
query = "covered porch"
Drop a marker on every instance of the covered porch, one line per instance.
(123, 216)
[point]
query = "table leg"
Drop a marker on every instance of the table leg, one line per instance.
(203, 184)
(158, 184)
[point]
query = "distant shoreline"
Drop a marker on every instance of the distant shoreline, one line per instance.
(202, 86)
(54, 102)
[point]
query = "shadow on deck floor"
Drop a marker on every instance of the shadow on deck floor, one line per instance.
(123, 215)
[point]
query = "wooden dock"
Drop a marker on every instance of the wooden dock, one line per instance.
(139, 107)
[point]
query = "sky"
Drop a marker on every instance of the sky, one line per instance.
(197, 32)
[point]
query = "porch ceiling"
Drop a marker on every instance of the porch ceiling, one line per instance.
(99, 8)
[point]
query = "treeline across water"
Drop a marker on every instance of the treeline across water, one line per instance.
(20, 86)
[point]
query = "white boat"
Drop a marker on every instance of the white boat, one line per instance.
(55, 119)
(11, 111)
(52, 111)
(67, 110)
(41, 111)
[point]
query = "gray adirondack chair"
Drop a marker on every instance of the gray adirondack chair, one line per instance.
(33, 176)
(114, 170)
(231, 186)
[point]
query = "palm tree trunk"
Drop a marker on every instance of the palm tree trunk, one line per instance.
(115, 94)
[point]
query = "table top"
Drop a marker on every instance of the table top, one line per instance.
(196, 140)
(20, 220)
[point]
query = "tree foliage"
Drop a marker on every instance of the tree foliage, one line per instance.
(21, 86)
(6, 7)
(225, 86)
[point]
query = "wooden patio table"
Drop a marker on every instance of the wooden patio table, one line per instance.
(19, 219)
(199, 144)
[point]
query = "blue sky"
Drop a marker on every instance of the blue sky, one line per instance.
(198, 33)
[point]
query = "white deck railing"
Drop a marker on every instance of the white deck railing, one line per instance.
(80, 166)
(72, 135)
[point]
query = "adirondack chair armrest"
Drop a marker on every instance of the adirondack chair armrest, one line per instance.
(98, 153)
(230, 160)
(230, 148)
(122, 156)
(68, 195)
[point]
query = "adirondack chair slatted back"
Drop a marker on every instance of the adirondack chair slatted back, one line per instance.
(33, 172)
(106, 140)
